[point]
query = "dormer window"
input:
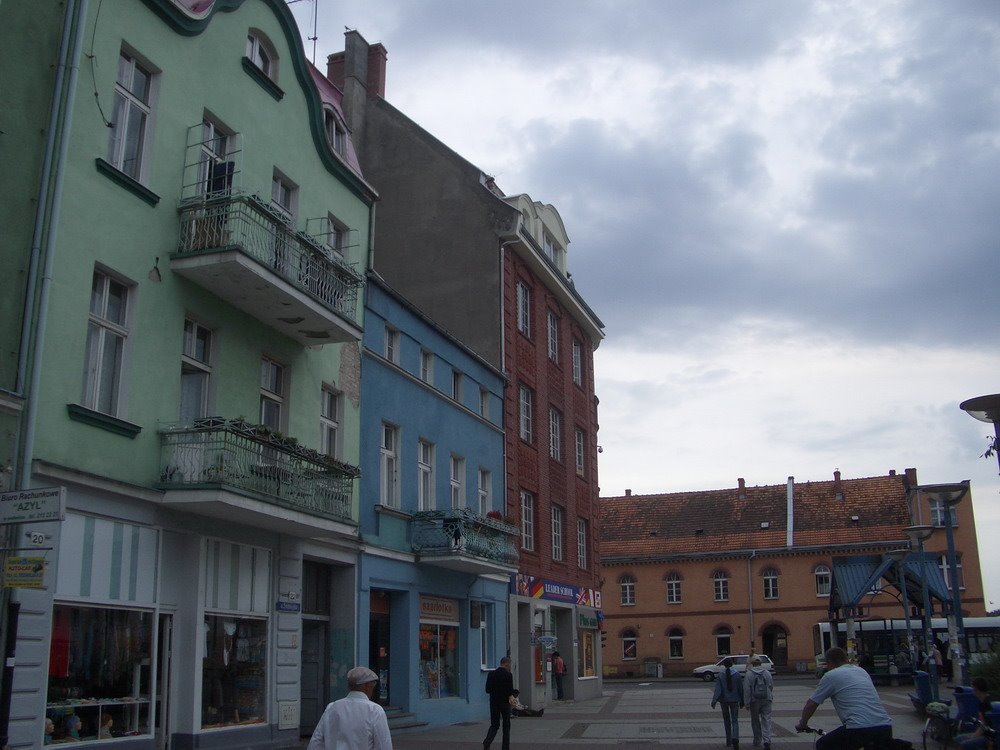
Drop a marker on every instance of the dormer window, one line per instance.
(336, 131)
(261, 53)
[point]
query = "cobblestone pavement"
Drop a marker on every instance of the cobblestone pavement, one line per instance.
(671, 714)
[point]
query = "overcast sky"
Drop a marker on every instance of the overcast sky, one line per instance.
(787, 214)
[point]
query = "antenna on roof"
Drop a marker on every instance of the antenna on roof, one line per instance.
(315, 34)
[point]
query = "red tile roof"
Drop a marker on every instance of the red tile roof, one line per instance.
(721, 521)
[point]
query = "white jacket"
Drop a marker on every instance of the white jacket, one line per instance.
(352, 723)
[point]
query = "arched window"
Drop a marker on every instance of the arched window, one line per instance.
(675, 641)
(770, 576)
(336, 131)
(629, 640)
(627, 584)
(721, 580)
(822, 573)
(673, 581)
(262, 54)
(723, 640)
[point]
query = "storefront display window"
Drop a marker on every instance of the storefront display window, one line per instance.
(234, 671)
(99, 673)
(438, 661)
(588, 650)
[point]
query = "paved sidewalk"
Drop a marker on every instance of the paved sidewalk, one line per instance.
(656, 714)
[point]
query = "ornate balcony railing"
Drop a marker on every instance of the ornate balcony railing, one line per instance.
(461, 531)
(249, 225)
(218, 452)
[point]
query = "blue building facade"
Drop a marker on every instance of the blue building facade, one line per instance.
(437, 553)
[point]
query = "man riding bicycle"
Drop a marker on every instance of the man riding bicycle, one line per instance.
(850, 688)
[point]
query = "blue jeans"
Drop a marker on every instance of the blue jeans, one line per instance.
(731, 721)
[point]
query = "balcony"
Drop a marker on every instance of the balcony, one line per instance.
(232, 470)
(241, 250)
(462, 540)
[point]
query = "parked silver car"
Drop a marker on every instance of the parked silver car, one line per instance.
(740, 662)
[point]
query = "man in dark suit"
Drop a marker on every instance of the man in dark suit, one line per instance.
(500, 687)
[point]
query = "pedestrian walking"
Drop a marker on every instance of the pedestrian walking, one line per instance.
(500, 688)
(758, 691)
(729, 692)
(558, 670)
(354, 721)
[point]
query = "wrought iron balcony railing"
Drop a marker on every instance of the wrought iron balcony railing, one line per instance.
(216, 452)
(247, 224)
(461, 531)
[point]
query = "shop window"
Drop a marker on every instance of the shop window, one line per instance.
(439, 673)
(629, 644)
(99, 673)
(234, 671)
(588, 653)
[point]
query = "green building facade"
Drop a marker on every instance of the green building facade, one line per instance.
(181, 354)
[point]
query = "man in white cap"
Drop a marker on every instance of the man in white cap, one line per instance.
(354, 722)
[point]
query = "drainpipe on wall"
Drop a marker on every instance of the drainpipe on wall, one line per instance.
(753, 632)
(790, 533)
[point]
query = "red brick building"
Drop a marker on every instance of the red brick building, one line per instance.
(550, 417)
(692, 576)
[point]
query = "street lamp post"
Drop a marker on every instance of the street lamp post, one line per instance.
(949, 496)
(918, 534)
(899, 557)
(986, 409)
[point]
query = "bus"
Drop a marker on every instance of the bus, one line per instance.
(879, 639)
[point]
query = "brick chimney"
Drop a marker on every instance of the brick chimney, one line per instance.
(358, 71)
(743, 487)
(628, 493)
(838, 489)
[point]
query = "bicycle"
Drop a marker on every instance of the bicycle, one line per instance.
(939, 732)
(876, 745)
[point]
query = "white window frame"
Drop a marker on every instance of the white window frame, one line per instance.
(673, 585)
(939, 510)
(581, 543)
(262, 54)
(581, 451)
(102, 331)
(337, 236)
(484, 403)
(720, 581)
(558, 522)
(284, 196)
(577, 361)
(391, 344)
(196, 364)
(723, 642)
(216, 149)
(525, 398)
(127, 106)
(456, 385)
(425, 475)
(630, 646)
(946, 570)
(336, 130)
(675, 637)
(555, 434)
(427, 366)
(770, 583)
(626, 585)
(485, 618)
(527, 521)
(457, 481)
(823, 580)
(484, 491)
(389, 466)
(330, 419)
(553, 328)
(524, 308)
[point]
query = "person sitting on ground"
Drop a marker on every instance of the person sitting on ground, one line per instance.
(856, 701)
(977, 739)
(519, 709)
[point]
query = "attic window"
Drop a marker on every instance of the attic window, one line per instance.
(765, 524)
(699, 531)
(839, 496)
(855, 519)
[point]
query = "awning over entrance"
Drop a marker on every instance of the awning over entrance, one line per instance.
(857, 576)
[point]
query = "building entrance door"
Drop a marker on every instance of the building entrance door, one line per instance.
(163, 681)
(315, 684)
(775, 642)
(378, 643)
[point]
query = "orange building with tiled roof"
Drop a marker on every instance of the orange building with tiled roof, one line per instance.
(692, 576)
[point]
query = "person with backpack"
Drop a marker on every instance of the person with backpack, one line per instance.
(758, 687)
(729, 692)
